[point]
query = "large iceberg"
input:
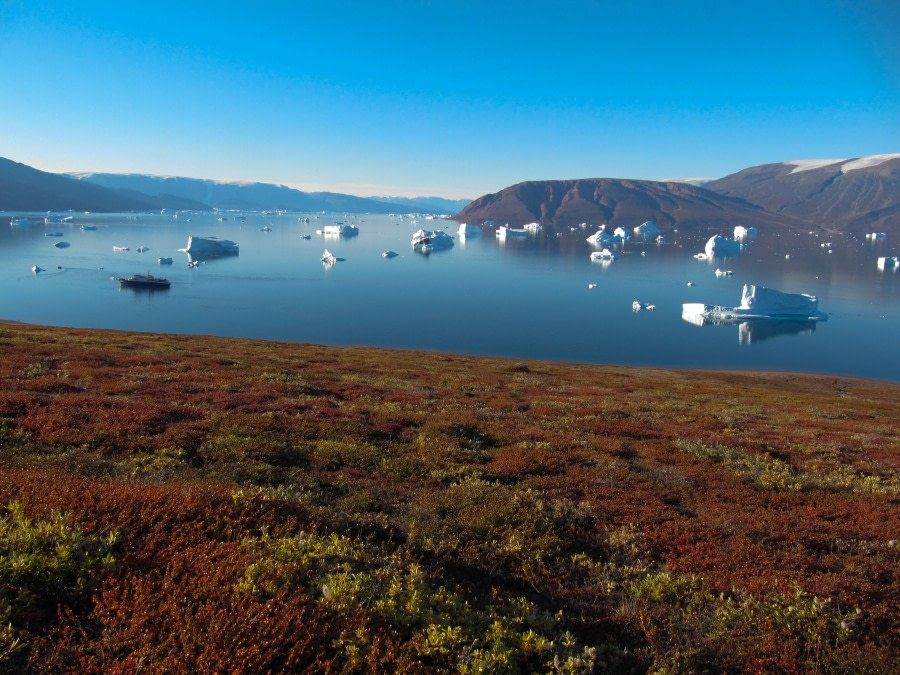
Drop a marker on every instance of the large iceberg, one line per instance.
(741, 232)
(647, 229)
(427, 241)
(722, 246)
(759, 302)
(340, 230)
(467, 230)
(210, 246)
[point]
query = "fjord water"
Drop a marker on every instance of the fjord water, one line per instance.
(527, 298)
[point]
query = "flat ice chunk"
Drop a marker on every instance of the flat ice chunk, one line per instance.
(605, 254)
(536, 227)
(211, 246)
(340, 230)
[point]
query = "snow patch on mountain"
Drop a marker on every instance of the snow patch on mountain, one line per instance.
(867, 162)
(810, 164)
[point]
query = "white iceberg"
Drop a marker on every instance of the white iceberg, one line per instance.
(427, 241)
(647, 229)
(389, 254)
(622, 233)
(741, 232)
(340, 230)
(723, 273)
(759, 302)
(605, 254)
(720, 245)
(210, 246)
(603, 238)
(637, 306)
(37, 269)
(876, 235)
(121, 248)
(467, 230)
(536, 227)
(504, 231)
(328, 257)
(888, 263)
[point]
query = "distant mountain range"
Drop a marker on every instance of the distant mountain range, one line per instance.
(23, 188)
(853, 195)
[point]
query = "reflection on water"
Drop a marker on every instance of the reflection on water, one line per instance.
(750, 332)
(756, 330)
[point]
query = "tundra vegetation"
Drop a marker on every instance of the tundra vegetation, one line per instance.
(181, 503)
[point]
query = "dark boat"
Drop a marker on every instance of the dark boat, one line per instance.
(144, 281)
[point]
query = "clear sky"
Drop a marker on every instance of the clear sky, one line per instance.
(445, 97)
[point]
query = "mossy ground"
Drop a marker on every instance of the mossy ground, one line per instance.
(250, 506)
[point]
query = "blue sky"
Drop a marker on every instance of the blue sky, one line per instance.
(451, 98)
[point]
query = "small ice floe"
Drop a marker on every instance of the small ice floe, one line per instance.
(876, 235)
(328, 258)
(637, 306)
(53, 234)
(889, 263)
(536, 227)
(164, 261)
(121, 248)
(306, 237)
(319, 232)
(826, 244)
(193, 263)
(720, 245)
(62, 244)
(743, 233)
(389, 254)
(592, 285)
(723, 273)
(142, 249)
(787, 256)
(88, 228)
(691, 283)
(265, 229)
(605, 254)
(661, 239)
(701, 256)
(37, 269)
(647, 229)
(643, 253)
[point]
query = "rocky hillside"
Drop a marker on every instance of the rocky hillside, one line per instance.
(859, 195)
(617, 202)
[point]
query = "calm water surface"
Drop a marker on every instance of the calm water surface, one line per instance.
(527, 298)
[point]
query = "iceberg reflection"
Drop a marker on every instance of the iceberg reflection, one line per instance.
(754, 331)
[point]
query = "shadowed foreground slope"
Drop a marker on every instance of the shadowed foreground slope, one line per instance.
(207, 504)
